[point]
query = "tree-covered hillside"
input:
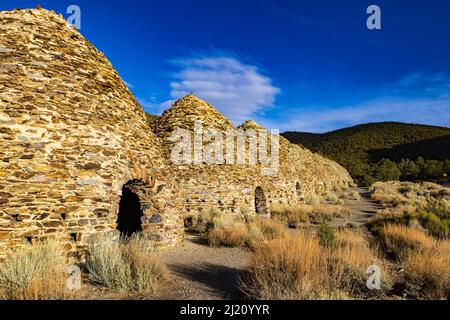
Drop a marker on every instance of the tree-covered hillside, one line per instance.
(367, 151)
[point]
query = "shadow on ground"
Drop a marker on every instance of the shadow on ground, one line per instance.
(220, 279)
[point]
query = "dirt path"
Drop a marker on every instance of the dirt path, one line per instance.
(360, 210)
(202, 272)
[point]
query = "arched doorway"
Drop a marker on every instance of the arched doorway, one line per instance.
(130, 212)
(298, 189)
(261, 202)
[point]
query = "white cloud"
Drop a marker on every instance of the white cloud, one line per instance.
(418, 98)
(236, 89)
(424, 111)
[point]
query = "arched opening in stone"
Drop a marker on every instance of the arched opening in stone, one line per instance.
(261, 202)
(298, 189)
(130, 212)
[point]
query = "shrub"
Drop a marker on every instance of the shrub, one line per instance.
(231, 231)
(230, 236)
(36, 271)
(426, 261)
(298, 267)
(312, 199)
(410, 202)
(106, 264)
(428, 269)
(354, 195)
(278, 210)
(270, 229)
(401, 239)
(124, 263)
(407, 215)
(331, 197)
(286, 269)
(322, 213)
(297, 215)
(326, 235)
(294, 215)
(147, 271)
(202, 221)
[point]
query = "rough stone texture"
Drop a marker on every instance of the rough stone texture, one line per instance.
(71, 135)
(231, 188)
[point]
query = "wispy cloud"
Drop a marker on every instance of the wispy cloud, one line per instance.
(420, 98)
(236, 89)
(129, 85)
(424, 79)
(286, 13)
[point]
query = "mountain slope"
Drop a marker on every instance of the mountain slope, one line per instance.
(358, 148)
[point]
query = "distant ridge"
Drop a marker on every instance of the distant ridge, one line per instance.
(357, 147)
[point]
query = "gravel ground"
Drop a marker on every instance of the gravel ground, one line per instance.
(199, 272)
(202, 272)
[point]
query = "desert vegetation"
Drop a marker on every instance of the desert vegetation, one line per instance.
(425, 204)
(297, 253)
(303, 266)
(234, 230)
(409, 242)
(35, 271)
(124, 264)
(39, 271)
(384, 151)
(302, 215)
(413, 230)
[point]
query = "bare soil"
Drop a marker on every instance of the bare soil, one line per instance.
(360, 210)
(200, 272)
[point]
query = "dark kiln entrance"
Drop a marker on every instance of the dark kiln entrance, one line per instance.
(130, 212)
(261, 202)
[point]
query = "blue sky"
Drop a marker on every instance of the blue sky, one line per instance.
(292, 65)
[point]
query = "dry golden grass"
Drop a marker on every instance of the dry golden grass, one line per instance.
(34, 272)
(286, 269)
(125, 264)
(402, 239)
(297, 215)
(271, 229)
(353, 255)
(233, 231)
(233, 235)
(429, 270)
(312, 199)
(352, 195)
(298, 267)
(426, 261)
(411, 203)
(395, 193)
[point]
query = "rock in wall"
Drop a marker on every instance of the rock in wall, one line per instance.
(231, 187)
(71, 135)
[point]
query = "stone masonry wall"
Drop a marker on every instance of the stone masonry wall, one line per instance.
(231, 188)
(71, 135)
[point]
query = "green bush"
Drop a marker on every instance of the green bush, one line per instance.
(326, 235)
(436, 226)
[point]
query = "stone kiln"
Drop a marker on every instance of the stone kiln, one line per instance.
(71, 136)
(243, 188)
(78, 158)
